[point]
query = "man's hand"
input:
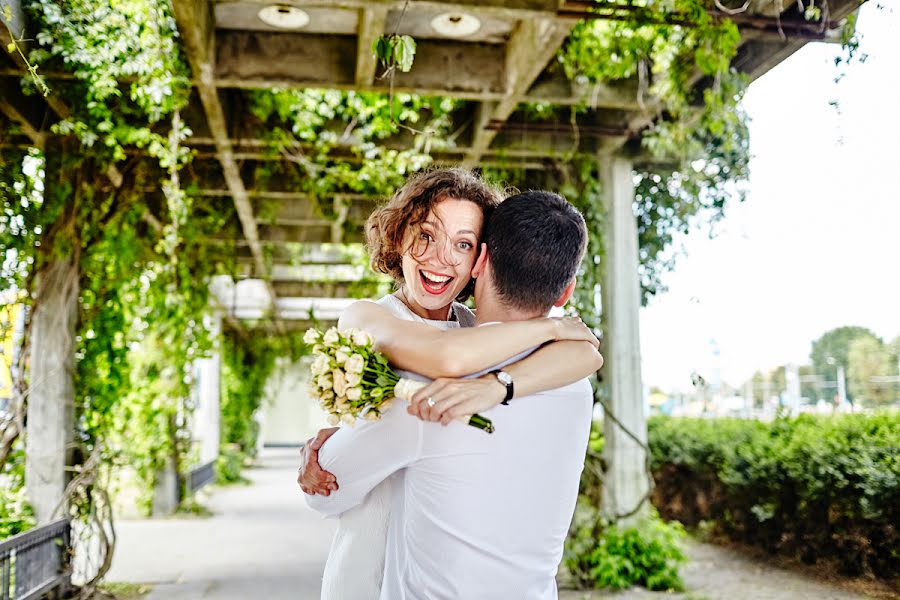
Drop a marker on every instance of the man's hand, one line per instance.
(573, 328)
(311, 477)
(452, 398)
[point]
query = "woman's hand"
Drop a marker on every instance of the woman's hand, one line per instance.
(573, 328)
(453, 398)
(311, 477)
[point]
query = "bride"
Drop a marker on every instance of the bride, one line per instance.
(427, 238)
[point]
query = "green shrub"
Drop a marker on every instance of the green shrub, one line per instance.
(16, 514)
(598, 555)
(596, 441)
(229, 464)
(815, 487)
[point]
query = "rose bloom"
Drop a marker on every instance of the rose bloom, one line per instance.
(361, 338)
(340, 384)
(324, 381)
(331, 336)
(320, 365)
(355, 364)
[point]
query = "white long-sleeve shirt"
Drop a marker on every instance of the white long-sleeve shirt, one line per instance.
(475, 516)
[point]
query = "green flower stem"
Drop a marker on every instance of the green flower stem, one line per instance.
(386, 372)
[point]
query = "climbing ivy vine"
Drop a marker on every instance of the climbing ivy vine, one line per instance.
(701, 137)
(338, 142)
(140, 235)
(112, 198)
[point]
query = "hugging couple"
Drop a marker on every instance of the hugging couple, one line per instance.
(429, 508)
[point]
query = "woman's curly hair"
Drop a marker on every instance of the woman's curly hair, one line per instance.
(387, 226)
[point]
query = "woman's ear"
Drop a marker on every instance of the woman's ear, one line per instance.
(480, 262)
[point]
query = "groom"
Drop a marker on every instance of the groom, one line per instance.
(477, 515)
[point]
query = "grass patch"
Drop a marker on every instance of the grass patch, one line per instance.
(192, 507)
(127, 591)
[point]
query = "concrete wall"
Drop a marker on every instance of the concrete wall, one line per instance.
(289, 416)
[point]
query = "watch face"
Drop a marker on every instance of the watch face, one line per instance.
(504, 377)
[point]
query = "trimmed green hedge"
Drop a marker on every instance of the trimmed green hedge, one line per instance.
(814, 487)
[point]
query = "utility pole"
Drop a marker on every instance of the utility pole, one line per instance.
(842, 387)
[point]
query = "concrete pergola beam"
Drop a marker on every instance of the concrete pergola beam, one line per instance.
(517, 9)
(312, 289)
(293, 254)
(555, 89)
(297, 326)
(532, 45)
(19, 110)
(371, 26)
(195, 23)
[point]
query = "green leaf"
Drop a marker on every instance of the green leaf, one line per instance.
(381, 48)
(404, 52)
(11, 47)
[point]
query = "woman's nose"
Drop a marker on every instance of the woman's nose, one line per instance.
(443, 253)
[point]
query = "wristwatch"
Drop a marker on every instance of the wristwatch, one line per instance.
(507, 380)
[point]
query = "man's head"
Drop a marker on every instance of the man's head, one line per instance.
(534, 242)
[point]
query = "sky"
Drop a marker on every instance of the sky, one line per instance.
(816, 245)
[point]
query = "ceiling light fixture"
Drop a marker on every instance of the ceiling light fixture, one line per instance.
(284, 17)
(455, 25)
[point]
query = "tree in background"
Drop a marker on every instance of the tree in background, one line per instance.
(869, 358)
(894, 349)
(835, 345)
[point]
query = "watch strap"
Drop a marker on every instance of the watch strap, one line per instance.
(508, 384)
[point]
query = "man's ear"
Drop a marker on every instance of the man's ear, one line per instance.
(567, 293)
(480, 262)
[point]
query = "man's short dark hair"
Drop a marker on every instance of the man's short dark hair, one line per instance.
(535, 242)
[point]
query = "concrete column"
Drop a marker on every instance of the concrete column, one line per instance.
(626, 480)
(207, 414)
(166, 492)
(50, 416)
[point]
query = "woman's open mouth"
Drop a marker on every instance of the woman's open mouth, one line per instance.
(435, 283)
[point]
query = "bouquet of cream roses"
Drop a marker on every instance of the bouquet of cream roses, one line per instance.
(350, 379)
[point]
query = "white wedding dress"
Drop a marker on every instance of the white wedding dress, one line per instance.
(355, 565)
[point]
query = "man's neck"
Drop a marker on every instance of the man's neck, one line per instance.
(494, 311)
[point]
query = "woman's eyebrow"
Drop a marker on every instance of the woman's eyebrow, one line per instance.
(462, 231)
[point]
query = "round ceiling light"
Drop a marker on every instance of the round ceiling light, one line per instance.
(284, 17)
(455, 24)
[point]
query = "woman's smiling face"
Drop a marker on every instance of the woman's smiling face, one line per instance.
(440, 254)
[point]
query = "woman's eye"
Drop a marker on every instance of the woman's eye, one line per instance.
(425, 237)
(465, 245)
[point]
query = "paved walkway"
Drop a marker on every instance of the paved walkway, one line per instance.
(263, 543)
